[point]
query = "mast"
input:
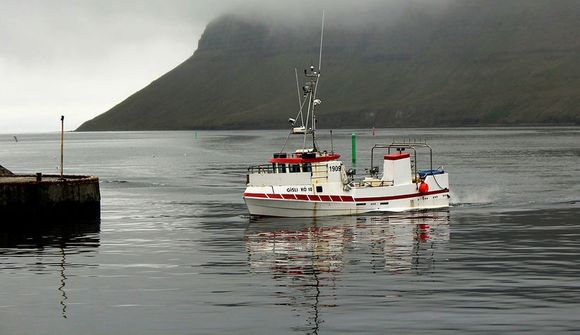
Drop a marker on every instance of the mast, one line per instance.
(310, 90)
(316, 102)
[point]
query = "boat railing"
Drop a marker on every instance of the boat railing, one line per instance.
(317, 170)
(261, 169)
(402, 146)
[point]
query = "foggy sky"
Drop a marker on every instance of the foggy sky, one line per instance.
(79, 58)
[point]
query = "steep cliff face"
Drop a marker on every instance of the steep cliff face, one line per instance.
(480, 62)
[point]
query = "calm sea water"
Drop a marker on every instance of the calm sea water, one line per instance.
(176, 253)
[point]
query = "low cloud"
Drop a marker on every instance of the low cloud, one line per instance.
(82, 57)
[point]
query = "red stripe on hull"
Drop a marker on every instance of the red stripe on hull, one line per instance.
(396, 197)
(255, 195)
(325, 198)
(338, 198)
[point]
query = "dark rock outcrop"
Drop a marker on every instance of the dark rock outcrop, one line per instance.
(5, 172)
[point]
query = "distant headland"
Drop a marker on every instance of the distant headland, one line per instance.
(476, 63)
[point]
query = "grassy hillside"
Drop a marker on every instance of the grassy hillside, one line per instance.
(480, 62)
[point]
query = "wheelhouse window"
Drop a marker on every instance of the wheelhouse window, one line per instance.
(307, 167)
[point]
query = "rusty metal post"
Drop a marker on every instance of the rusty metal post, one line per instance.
(61, 146)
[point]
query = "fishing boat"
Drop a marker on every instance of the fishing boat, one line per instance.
(311, 182)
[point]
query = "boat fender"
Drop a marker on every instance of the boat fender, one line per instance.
(423, 188)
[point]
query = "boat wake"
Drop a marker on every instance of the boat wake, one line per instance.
(482, 197)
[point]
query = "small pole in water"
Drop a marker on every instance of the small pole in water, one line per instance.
(195, 135)
(331, 143)
(61, 146)
(373, 131)
(353, 148)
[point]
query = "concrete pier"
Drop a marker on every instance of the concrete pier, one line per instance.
(49, 197)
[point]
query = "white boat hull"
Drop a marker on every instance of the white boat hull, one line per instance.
(262, 204)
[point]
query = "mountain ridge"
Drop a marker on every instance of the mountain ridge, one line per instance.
(482, 62)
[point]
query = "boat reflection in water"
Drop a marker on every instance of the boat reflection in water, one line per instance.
(397, 243)
(307, 256)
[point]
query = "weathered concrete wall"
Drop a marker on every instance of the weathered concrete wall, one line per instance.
(75, 197)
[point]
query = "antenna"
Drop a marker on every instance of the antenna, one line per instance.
(298, 88)
(300, 104)
(321, 39)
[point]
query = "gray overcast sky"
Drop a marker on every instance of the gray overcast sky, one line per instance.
(79, 58)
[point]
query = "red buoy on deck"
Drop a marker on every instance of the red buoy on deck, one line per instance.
(423, 188)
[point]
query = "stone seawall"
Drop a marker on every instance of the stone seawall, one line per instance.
(73, 198)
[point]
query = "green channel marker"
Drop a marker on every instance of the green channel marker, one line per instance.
(353, 155)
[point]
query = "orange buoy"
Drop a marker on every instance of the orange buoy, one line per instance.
(423, 188)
